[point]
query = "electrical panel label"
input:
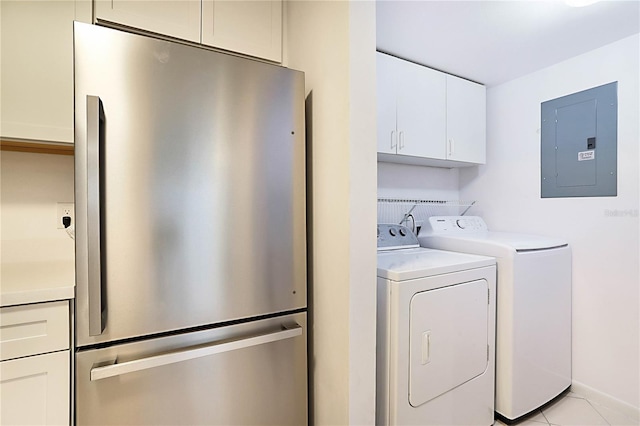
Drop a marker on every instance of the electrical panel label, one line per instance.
(586, 155)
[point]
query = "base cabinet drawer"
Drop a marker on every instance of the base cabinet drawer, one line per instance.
(35, 390)
(33, 329)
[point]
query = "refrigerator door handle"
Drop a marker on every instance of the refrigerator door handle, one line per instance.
(95, 133)
(116, 369)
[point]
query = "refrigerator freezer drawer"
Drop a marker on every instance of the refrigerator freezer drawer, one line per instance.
(252, 373)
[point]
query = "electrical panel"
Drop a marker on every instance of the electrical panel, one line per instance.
(578, 144)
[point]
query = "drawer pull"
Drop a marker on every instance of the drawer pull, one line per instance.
(116, 369)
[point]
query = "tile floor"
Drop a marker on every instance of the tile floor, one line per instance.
(575, 410)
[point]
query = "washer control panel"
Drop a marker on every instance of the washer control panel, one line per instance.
(392, 237)
(454, 224)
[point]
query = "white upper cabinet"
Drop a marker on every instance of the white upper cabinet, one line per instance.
(386, 103)
(428, 117)
(250, 27)
(466, 121)
(174, 18)
(36, 77)
(411, 108)
(421, 112)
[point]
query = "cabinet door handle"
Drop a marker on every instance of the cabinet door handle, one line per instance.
(451, 147)
(95, 134)
(115, 369)
(393, 139)
(401, 139)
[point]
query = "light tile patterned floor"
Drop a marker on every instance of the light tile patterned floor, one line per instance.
(575, 410)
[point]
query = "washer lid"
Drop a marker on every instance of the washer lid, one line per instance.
(491, 243)
(409, 264)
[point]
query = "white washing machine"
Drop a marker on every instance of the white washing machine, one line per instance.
(435, 334)
(533, 340)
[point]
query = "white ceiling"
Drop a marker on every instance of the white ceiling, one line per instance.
(492, 42)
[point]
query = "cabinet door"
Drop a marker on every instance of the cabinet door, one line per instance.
(37, 70)
(250, 27)
(386, 91)
(175, 18)
(421, 111)
(466, 120)
(35, 390)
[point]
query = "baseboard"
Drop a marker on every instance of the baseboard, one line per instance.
(606, 400)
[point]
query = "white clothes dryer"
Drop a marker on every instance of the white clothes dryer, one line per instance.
(435, 334)
(533, 340)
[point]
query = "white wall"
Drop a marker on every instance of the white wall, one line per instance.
(409, 182)
(333, 42)
(605, 247)
(417, 182)
(31, 185)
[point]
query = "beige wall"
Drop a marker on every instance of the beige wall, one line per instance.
(362, 212)
(31, 185)
(333, 42)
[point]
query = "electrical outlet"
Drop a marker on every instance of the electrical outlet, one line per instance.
(65, 209)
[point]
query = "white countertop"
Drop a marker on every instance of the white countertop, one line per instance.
(39, 281)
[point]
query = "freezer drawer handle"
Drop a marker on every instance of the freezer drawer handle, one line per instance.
(199, 352)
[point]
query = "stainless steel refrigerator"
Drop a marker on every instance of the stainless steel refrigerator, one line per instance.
(190, 235)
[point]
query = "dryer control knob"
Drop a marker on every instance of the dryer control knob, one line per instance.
(392, 232)
(461, 224)
(403, 232)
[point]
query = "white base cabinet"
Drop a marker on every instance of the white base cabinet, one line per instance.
(428, 117)
(35, 364)
(35, 390)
